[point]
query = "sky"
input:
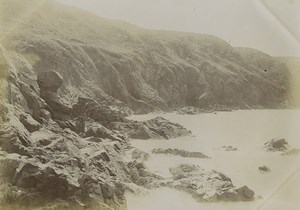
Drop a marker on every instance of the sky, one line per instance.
(272, 26)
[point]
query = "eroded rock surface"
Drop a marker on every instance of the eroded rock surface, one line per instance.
(179, 152)
(49, 80)
(157, 128)
(208, 185)
(57, 155)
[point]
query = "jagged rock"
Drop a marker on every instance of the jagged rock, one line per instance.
(97, 130)
(49, 80)
(142, 177)
(15, 139)
(79, 124)
(34, 101)
(58, 109)
(180, 152)
(276, 145)
(99, 112)
(139, 155)
(207, 185)
(156, 128)
(45, 114)
(54, 171)
(245, 192)
(30, 124)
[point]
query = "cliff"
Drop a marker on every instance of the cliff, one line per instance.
(147, 70)
(68, 80)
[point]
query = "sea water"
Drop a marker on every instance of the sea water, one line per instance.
(245, 130)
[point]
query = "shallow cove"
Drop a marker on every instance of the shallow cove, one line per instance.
(245, 130)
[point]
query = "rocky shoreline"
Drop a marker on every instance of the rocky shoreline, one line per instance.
(64, 156)
(179, 152)
(65, 98)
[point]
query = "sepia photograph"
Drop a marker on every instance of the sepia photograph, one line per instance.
(149, 104)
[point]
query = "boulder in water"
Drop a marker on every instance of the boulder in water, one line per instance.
(208, 185)
(276, 144)
(264, 169)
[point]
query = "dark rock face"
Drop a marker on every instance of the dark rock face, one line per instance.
(49, 80)
(30, 124)
(67, 156)
(63, 157)
(104, 113)
(208, 185)
(97, 130)
(180, 152)
(62, 165)
(156, 128)
(276, 145)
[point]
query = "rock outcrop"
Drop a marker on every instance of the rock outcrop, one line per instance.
(208, 185)
(276, 145)
(49, 80)
(139, 155)
(179, 152)
(59, 156)
(156, 128)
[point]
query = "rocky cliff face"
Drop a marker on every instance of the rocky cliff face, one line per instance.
(144, 69)
(68, 80)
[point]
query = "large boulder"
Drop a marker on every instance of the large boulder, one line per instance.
(207, 185)
(49, 80)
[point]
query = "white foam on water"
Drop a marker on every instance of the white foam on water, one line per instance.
(246, 130)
